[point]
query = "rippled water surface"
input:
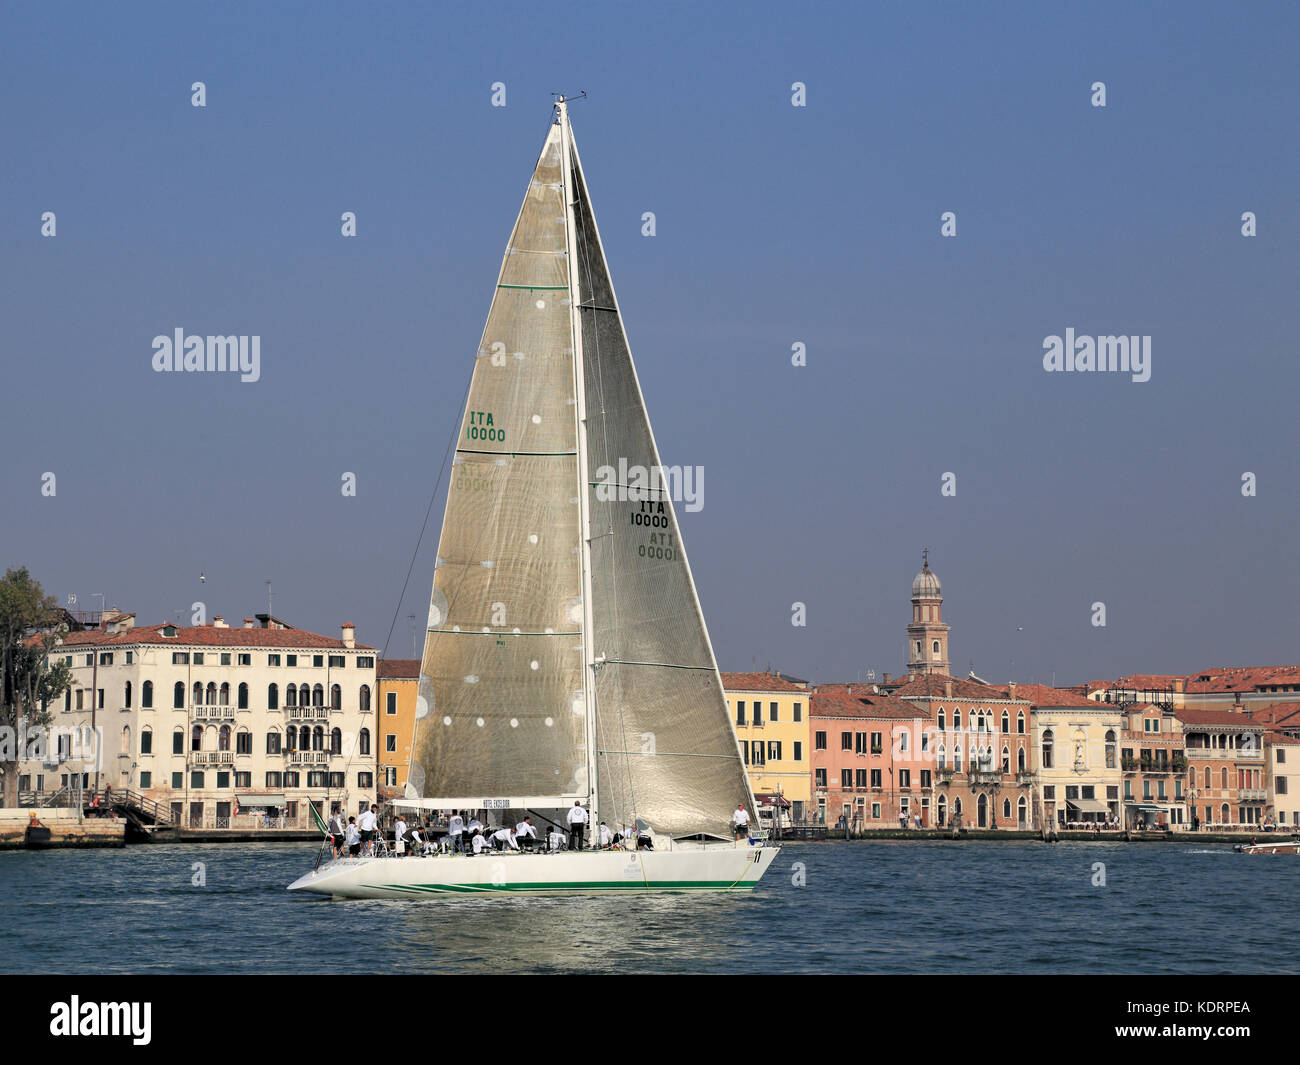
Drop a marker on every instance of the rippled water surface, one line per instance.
(824, 907)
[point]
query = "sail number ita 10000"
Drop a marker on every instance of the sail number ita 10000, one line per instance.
(662, 546)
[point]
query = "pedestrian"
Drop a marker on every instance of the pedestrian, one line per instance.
(577, 826)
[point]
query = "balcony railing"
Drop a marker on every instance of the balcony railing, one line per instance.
(308, 757)
(212, 757)
(307, 713)
(1240, 754)
(1252, 794)
(212, 713)
(1024, 776)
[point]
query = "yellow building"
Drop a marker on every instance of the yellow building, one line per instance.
(770, 712)
(399, 681)
(1076, 757)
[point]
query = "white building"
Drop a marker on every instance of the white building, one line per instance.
(222, 727)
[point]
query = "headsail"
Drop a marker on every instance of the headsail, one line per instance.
(500, 698)
(667, 752)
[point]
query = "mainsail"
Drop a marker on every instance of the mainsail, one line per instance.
(552, 673)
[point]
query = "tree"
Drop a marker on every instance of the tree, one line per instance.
(30, 625)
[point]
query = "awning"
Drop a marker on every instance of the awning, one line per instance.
(773, 800)
(1088, 806)
(1145, 808)
(260, 800)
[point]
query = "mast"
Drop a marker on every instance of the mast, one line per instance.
(584, 478)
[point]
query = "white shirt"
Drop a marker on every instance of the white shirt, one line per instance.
(456, 825)
(502, 835)
(577, 816)
(366, 822)
(399, 829)
(474, 823)
(354, 836)
(740, 818)
(605, 835)
(556, 839)
(525, 829)
(479, 843)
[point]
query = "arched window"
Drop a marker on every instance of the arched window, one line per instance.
(196, 738)
(365, 698)
(956, 720)
(1020, 723)
(1022, 810)
(1110, 748)
(956, 806)
(178, 741)
(304, 695)
(126, 739)
(941, 757)
(178, 695)
(943, 810)
(126, 695)
(224, 698)
(291, 737)
(336, 697)
(363, 742)
(273, 697)
(318, 738)
(146, 695)
(1225, 780)
(273, 742)
(1006, 765)
(198, 694)
(1006, 809)
(223, 738)
(1048, 745)
(336, 741)
(1006, 722)
(318, 695)
(1020, 760)
(956, 757)
(1225, 815)
(982, 811)
(941, 719)
(934, 649)
(1207, 778)
(212, 694)
(243, 696)
(146, 740)
(290, 695)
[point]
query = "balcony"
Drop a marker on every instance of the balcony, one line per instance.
(1024, 777)
(212, 713)
(307, 713)
(307, 757)
(212, 757)
(1239, 754)
(1252, 794)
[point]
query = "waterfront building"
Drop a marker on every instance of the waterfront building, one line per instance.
(222, 727)
(1281, 755)
(1076, 743)
(872, 765)
(1154, 766)
(771, 718)
(1226, 769)
(398, 680)
(981, 755)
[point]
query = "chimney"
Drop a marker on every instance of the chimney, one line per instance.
(886, 678)
(218, 622)
(850, 687)
(947, 688)
(875, 689)
(1011, 689)
(349, 634)
(250, 623)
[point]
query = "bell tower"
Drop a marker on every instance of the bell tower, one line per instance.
(927, 636)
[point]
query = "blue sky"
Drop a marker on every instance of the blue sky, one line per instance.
(775, 224)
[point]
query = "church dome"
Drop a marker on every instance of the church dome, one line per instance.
(926, 584)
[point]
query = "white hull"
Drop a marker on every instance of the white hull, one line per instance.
(719, 867)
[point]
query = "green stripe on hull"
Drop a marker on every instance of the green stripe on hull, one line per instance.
(606, 885)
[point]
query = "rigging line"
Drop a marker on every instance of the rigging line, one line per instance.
(423, 528)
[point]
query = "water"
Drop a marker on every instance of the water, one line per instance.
(881, 907)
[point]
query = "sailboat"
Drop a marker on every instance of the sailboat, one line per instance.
(566, 660)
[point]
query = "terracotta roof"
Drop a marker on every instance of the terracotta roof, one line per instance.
(1220, 718)
(1242, 678)
(929, 686)
(759, 682)
(1281, 739)
(1138, 682)
(398, 668)
(1278, 714)
(833, 700)
(206, 636)
(1046, 695)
